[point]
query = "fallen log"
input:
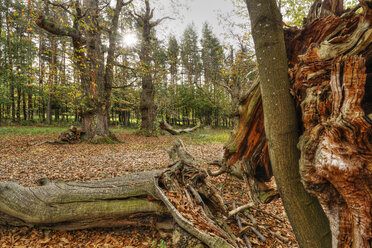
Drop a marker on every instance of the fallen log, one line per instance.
(146, 198)
(165, 126)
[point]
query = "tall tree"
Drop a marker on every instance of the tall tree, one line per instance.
(308, 220)
(190, 55)
(147, 103)
(96, 74)
(211, 58)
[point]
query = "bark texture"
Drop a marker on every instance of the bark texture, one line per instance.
(304, 211)
(181, 192)
(249, 160)
(331, 85)
(329, 65)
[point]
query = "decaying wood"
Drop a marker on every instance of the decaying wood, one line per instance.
(180, 195)
(165, 126)
(241, 208)
(330, 66)
(246, 155)
(329, 83)
(71, 136)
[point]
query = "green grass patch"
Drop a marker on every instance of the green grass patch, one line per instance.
(48, 130)
(29, 130)
(208, 136)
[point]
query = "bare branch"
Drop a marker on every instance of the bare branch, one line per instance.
(241, 208)
(157, 22)
(56, 29)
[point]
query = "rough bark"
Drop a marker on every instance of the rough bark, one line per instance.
(330, 65)
(304, 211)
(147, 104)
(165, 126)
(332, 87)
(181, 192)
(249, 160)
(324, 8)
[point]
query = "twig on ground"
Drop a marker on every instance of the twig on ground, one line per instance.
(241, 208)
(245, 237)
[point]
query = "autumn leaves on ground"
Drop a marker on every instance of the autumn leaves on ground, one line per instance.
(24, 159)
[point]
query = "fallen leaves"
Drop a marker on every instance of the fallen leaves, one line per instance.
(25, 163)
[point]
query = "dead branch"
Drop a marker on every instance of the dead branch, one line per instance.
(245, 237)
(241, 208)
(165, 126)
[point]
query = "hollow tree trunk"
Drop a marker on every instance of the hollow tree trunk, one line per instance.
(330, 61)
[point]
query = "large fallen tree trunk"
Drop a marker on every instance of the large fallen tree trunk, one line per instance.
(180, 192)
(330, 66)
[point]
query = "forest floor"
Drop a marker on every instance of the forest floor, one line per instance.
(24, 161)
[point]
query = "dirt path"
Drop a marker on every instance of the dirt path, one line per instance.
(24, 162)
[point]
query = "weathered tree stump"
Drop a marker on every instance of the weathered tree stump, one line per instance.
(330, 66)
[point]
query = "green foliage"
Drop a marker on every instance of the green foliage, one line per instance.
(159, 244)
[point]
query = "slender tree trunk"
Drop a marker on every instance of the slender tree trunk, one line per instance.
(18, 110)
(12, 102)
(52, 79)
(307, 218)
(24, 106)
(30, 108)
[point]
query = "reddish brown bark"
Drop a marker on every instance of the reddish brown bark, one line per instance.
(329, 63)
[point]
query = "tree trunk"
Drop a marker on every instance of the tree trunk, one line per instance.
(329, 62)
(165, 126)
(96, 80)
(52, 79)
(304, 211)
(24, 106)
(143, 198)
(18, 109)
(329, 82)
(147, 103)
(30, 107)
(12, 102)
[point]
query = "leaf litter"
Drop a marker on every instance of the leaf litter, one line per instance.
(24, 162)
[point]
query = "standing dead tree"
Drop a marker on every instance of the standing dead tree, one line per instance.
(330, 65)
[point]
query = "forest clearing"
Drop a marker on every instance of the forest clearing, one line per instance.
(24, 161)
(187, 124)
